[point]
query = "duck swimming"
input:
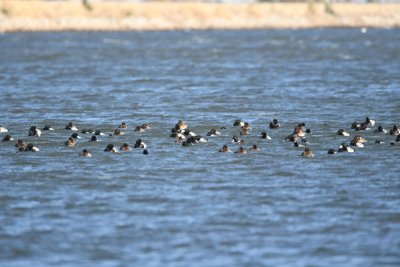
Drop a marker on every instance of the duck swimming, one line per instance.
(307, 153)
(145, 152)
(274, 124)
(358, 141)
(236, 140)
(139, 144)
(75, 136)
(98, 132)
(123, 125)
(139, 129)
(345, 148)
(33, 131)
(85, 153)
(70, 142)
(7, 138)
(145, 126)
(118, 132)
(110, 148)
(181, 125)
(125, 147)
(87, 131)
(331, 151)
(241, 150)
(3, 129)
(224, 149)
(47, 128)
(30, 148)
(213, 132)
(94, 139)
(394, 130)
(381, 130)
(255, 148)
(238, 123)
(342, 132)
(264, 135)
(20, 143)
(71, 126)
(369, 122)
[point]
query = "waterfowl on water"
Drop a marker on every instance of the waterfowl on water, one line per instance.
(213, 132)
(394, 130)
(139, 129)
(98, 132)
(47, 128)
(94, 139)
(238, 123)
(71, 126)
(145, 126)
(398, 138)
(293, 138)
(358, 141)
(3, 129)
(237, 141)
(31, 148)
(125, 147)
(342, 132)
(245, 132)
(200, 139)
(70, 142)
(75, 136)
(7, 138)
(110, 148)
(85, 153)
(181, 125)
(381, 130)
(307, 153)
(87, 131)
(20, 143)
(123, 125)
(139, 144)
(246, 126)
(241, 150)
(33, 131)
(274, 124)
(345, 148)
(377, 141)
(369, 122)
(145, 152)
(331, 151)
(255, 148)
(224, 149)
(264, 135)
(118, 132)
(296, 144)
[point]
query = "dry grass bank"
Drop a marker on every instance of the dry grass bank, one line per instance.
(72, 15)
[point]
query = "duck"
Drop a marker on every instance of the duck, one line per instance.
(398, 138)
(118, 132)
(246, 126)
(238, 123)
(369, 122)
(345, 148)
(30, 148)
(241, 150)
(331, 151)
(245, 132)
(237, 141)
(20, 143)
(358, 141)
(181, 125)
(394, 130)
(7, 138)
(33, 131)
(110, 148)
(377, 141)
(299, 130)
(3, 129)
(296, 144)
(213, 132)
(342, 132)
(200, 139)
(224, 149)
(87, 131)
(71, 126)
(139, 129)
(93, 139)
(381, 130)
(139, 144)
(75, 136)
(308, 131)
(264, 135)
(145, 152)
(125, 147)
(85, 153)
(123, 125)
(274, 124)
(189, 141)
(255, 148)
(47, 127)
(188, 132)
(307, 153)
(70, 142)
(145, 126)
(293, 138)
(355, 125)
(98, 132)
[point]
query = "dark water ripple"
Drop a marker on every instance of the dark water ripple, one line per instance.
(193, 206)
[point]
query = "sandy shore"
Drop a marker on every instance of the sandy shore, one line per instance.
(109, 16)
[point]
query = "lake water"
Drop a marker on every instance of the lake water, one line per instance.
(193, 206)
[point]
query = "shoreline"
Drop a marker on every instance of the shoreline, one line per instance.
(31, 16)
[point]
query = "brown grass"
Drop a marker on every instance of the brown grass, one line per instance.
(72, 15)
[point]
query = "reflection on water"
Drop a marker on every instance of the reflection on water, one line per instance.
(181, 206)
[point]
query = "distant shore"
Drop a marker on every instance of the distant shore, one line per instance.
(119, 16)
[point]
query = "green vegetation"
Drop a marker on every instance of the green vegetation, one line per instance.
(5, 11)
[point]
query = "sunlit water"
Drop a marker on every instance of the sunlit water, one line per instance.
(193, 206)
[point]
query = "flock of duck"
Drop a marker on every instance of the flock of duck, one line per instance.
(185, 137)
